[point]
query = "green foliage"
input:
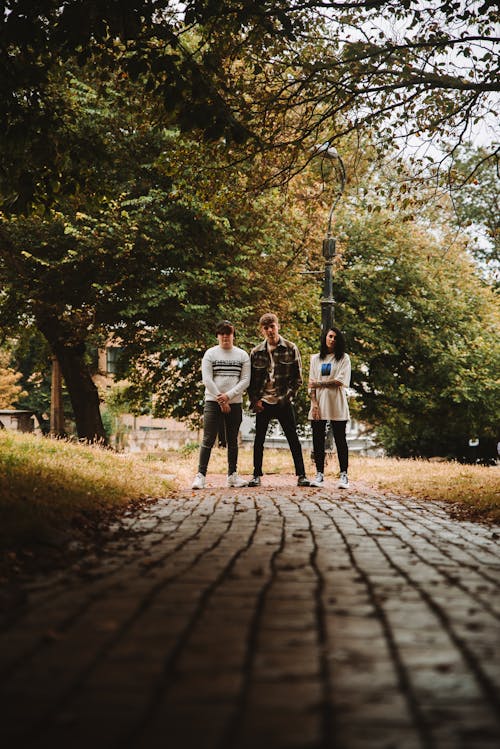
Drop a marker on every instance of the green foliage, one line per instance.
(474, 181)
(190, 448)
(422, 331)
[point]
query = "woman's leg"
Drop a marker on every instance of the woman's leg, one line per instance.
(338, 428)
(318, 427)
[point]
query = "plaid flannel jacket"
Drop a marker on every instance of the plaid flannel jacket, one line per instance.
(287, 370)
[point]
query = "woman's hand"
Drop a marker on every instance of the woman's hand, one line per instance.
(258, 406)
(315, 412)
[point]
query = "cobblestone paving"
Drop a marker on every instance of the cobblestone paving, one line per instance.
(270, 618)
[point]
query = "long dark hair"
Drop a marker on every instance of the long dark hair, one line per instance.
(339, 349)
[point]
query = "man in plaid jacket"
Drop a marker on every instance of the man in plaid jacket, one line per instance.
(276, 375)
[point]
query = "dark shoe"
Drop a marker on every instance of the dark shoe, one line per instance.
(302, 481)
(255, 481)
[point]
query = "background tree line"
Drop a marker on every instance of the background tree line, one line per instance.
(155, 178)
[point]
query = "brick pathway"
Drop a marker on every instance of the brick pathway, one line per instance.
(272, 618)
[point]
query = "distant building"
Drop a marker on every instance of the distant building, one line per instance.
(19, 420)
(148, 434)
(358, 440)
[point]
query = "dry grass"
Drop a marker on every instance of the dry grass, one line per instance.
(47, 486)
(475, 488)
(50, 486)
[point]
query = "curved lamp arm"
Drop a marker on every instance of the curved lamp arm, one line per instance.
(326, 151)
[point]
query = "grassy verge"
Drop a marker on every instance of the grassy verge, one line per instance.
(474, 490)
(50, 489)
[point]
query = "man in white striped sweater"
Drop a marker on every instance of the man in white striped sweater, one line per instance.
(225, 371)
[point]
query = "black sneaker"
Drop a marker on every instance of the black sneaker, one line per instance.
(254, 482)
(302, 481)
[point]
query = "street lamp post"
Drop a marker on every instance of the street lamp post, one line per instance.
(329, 242)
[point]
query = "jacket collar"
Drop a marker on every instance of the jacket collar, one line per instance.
(264, 347)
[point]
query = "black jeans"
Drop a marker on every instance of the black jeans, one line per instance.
(318, 427)
(213, 419)
(285, 415)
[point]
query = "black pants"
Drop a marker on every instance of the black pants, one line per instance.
(213, 418)
(285, 415)
(318, 427)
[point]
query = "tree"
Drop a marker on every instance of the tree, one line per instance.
(422, 331)
(285, 74)
(10, 390)
(76, 265)
(148, 244)
(97, 184)
(270, 234)
(477, 206)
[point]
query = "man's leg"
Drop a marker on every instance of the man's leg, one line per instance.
(233, 423)
(211, 417)
(286, 417)
(262, 420)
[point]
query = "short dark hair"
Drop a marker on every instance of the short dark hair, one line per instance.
(268, 318)
(225, 326)
(339, 349)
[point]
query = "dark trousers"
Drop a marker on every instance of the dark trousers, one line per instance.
(318, 427)
(285, 415)
(213, 420)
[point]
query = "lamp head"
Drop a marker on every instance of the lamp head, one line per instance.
(325, 150)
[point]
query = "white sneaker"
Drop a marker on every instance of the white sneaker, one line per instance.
(343, 481)
(234, 480)
(318, 480)
(199, 481)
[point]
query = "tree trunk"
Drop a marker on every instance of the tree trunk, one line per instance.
(56, 402)
(83, 394)
(81, 388)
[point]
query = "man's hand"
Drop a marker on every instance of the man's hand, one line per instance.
(223, 401)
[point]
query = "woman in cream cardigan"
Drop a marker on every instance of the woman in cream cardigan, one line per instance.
(329, 378)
